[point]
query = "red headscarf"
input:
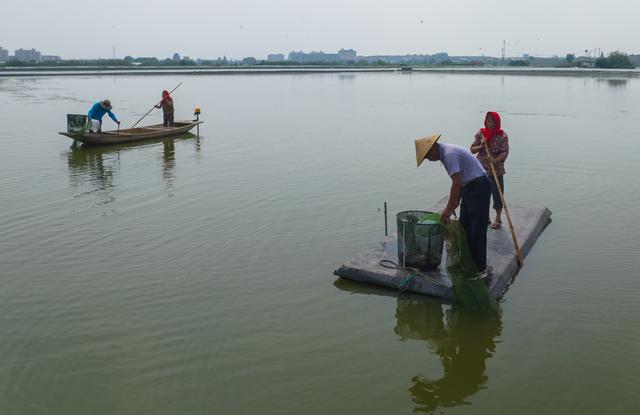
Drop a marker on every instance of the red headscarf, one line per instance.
(166, 96)
(496, 130)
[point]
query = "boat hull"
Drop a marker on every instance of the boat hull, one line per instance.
(133, 134)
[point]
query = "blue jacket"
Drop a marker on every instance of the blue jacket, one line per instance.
(97, 112)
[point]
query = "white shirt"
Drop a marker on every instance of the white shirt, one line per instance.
(457, 159)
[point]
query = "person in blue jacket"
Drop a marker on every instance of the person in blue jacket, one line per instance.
(97, 112)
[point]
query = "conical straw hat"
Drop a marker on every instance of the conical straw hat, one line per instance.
(423, 145)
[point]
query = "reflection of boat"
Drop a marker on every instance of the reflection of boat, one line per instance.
(463, 340)
(133, 134)
(99, 166)
(93, 171)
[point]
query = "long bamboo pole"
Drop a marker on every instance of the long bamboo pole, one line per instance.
(143, 117)
(506, 210)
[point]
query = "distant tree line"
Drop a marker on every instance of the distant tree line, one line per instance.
(127, 61)
(615, 60)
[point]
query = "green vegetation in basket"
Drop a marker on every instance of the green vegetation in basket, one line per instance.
(77, 134)
(422, 241)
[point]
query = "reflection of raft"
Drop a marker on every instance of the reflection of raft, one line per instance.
(528, 222)
(133, 134)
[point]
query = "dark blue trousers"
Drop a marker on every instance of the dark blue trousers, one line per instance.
(474, 211)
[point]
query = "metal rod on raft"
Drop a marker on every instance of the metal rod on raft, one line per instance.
(386, 233)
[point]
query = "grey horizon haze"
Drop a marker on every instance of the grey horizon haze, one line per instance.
(202, 29)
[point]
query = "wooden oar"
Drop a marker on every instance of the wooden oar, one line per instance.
(506, 210)
(148, 112)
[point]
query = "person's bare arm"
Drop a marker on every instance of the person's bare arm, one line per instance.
(454, 197)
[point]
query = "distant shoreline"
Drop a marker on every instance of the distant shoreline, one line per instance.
(278, 70)
(542, 71)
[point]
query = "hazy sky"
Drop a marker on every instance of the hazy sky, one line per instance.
(240, 28)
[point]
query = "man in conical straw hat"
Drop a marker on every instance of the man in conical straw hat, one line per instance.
(470, 188)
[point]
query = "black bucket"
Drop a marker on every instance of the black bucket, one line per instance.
(420, 241)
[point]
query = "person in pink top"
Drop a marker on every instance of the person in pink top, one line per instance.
(167, 109)
(498, 142)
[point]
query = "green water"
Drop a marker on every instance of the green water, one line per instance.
(194, 276)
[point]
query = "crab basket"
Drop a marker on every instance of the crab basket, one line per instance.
(420, 240)
(76, 122)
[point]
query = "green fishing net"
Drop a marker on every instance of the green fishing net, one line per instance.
(468, 290)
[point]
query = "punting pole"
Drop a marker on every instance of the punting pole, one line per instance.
(154, 107)
(506, 210)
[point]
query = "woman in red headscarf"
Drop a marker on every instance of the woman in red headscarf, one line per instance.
(498, 142)
(167, 109)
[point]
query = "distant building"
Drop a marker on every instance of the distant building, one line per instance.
(50, 58)
(406, 59)
(302, 57)
(585, 62)
(275, 57)
(346, 55)
(249, 61)
(24, 55)
(176, 57)
(343, 55)
(148, 61)
(4, 55)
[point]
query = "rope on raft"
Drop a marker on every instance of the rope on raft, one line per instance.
(408, 277)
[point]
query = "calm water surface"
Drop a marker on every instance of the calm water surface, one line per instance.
(193, 276)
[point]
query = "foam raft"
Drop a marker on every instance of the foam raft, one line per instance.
(529, 222)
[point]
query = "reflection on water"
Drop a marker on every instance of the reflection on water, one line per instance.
(168, 162)
(347, 77)
(198, 148)
(99, 166)
(135, 312)
(95, 167)
(614, 83)
(463, 339)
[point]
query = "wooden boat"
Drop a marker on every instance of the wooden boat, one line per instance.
(133, 134)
